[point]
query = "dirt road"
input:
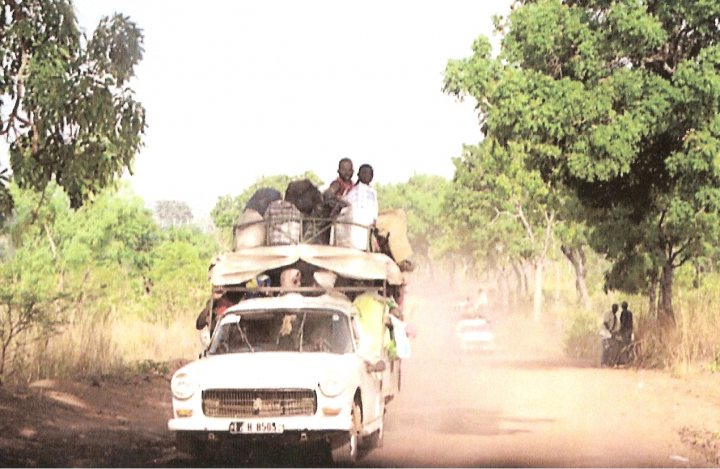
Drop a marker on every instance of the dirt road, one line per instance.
(526, 406)
(522, 406)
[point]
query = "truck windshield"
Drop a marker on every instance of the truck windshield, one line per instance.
(283, 331)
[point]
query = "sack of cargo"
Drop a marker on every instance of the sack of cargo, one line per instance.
(392, 225)
(348, 235)
(262, 198)
(283, 223)
(304, 195)
(250, 231)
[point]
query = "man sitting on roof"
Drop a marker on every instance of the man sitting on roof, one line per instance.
(363, 198)
(333, 195)
(343, 184)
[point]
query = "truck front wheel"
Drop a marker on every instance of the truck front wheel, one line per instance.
(347, 451)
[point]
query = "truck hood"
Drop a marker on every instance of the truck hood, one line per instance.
(269, 370)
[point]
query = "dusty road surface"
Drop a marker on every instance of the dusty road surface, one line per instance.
(527, 406)
(522, 406)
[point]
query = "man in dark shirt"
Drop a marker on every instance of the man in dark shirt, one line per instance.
(333, 196)
(625, 334)
(342, 185)
(626, 323)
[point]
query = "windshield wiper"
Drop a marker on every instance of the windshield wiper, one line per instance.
(244, 337)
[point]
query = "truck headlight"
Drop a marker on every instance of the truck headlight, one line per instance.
(182, 386)
(333, 386)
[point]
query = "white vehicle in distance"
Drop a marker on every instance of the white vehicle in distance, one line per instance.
(282, 370)
(474, 333)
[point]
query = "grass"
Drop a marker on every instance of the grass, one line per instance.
(689, 346)
(88, 347)
(117, 342)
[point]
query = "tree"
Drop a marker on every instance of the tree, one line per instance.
(115, 231)
(489, 243)
(65, 105)
(503, 188)
(619, 102)
(228, 209)
(423, 198)
(179, 275)
(172, 213)
(29, 299)
(573, 236)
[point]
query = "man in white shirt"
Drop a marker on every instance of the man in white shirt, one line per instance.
(364, 203)
(610, 327)
(363, 197)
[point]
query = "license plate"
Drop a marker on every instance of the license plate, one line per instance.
(255, 427)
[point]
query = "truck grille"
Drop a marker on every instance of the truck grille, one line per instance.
(258, 402)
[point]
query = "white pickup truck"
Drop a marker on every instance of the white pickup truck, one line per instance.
(291, 369)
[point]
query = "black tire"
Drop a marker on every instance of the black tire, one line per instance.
(374, 440)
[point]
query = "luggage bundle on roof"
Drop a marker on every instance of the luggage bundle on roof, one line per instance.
(304, 217)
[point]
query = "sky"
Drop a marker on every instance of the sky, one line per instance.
(236, 90)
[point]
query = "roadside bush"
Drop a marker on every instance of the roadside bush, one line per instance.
(581, 336)
(179, 277)
(31, 305)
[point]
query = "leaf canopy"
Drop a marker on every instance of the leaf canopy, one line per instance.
(66, 108)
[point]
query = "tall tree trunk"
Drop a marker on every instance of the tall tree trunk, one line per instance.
(576, 256)
(518, 283)
(666, 284)
(504, 284)
(538, 289)
(652, 298)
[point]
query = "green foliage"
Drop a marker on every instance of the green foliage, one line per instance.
(179, 277)
(87, 271)
(115, 229)
(228, 209)
(582, 337)
(30, 298)
(151, 367)
(206, 244)
(67, 110)
(34, 213)
(619, 102)
(423, 199)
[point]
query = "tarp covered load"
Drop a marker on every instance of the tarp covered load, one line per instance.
(392, 225)
(236, 267)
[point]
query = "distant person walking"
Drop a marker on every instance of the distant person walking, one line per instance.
(481, 302)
